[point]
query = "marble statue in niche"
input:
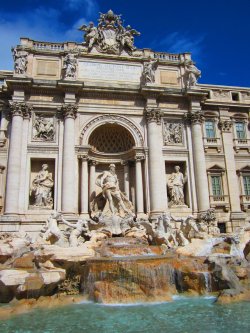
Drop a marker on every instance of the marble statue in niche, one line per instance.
(148, 73)
(41, 189)
(176, 183)
(70, 66)
(43, 128)
(111, 201)
(173, 133)
(20, 61)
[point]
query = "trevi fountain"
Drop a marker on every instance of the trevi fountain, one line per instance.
(129, 228)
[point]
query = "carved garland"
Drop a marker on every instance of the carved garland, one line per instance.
(109, 119)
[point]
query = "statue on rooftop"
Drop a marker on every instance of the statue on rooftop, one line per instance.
(20, 61)
(70, 66)
(110, 36)
(149, 68)
(192, 74)
(91, 35)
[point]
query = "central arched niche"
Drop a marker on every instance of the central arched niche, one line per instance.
(111, 139)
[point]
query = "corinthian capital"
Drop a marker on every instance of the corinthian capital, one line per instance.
(153, 115)
(196, 117)
(69, 110)
(225, 125)
(20, 109)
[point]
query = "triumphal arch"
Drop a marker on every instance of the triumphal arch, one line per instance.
(101, 127)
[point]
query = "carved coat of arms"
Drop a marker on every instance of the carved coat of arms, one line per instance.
(110, 36)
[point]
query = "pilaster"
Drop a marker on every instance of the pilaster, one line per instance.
(226, 126)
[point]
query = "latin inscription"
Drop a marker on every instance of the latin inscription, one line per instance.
(111, 72)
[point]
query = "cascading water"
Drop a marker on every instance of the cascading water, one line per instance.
(145, 275)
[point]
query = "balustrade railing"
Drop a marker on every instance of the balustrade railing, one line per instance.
(48, 46)
(166, 56)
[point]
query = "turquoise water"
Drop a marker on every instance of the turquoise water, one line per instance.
(184, 315)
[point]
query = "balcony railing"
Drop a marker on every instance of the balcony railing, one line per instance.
(212, 143)
(245, 202)
(241, 144)
(219, 201)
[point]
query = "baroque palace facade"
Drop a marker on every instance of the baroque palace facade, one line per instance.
(69, 111)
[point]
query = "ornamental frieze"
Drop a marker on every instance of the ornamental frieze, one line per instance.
(43, 128)
(173, 133)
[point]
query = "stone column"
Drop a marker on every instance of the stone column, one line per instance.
(68, 160)
(23, 194)
(156, 167)
(139, 185)
(18, 111)
(237, 216)
(2, 168)
(126, 178)
(201, 181)
(84, 192)
(92, 180)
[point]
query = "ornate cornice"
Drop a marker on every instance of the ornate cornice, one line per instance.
(153, 115)
(225, 125)
(69, 110)
(20, 109)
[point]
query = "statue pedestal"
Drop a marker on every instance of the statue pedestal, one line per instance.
(180, 211)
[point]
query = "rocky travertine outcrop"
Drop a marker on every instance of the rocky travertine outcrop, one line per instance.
(125, 269)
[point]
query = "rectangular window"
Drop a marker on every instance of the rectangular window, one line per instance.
(246, 182)
(210, 130)
(216, 185)
(240, 130)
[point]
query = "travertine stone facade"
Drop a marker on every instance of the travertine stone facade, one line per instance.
(68, 110)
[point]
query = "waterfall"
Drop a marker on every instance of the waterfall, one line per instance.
(129, 280)
(208, 281)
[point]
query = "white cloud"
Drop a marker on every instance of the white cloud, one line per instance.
(177, 42)
(44, 24)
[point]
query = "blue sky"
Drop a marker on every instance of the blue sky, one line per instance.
(217, 32)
